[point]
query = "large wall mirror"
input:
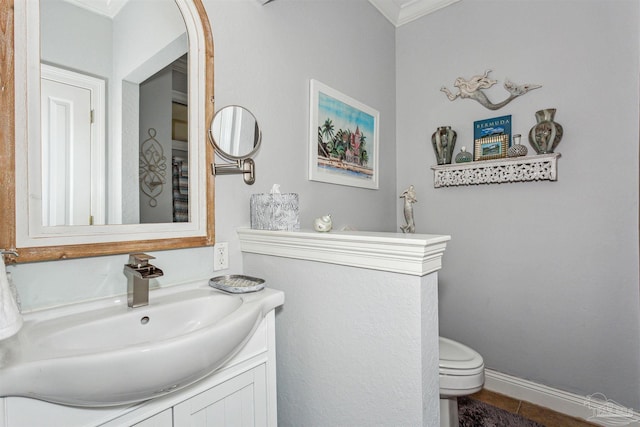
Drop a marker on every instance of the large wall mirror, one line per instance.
(107, 149)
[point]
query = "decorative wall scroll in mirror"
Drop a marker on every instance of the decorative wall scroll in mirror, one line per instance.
(139, 68)
(235, 134)
(153, 168)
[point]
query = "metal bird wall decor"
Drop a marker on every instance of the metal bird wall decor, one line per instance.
(472, 89)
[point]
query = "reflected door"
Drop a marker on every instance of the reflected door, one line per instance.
(66, 149)
(72, 153)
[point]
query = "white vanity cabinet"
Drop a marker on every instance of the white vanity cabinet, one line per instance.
(242, 393)
(163, 419)
(240, 401)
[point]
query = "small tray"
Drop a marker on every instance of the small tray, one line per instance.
(237, 283)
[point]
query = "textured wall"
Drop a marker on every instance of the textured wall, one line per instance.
(354, 346)
(540, 278)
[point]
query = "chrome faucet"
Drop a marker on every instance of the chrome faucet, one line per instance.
(138, 272)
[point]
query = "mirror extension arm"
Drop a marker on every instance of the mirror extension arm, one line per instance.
(246, 167)
(236, 136)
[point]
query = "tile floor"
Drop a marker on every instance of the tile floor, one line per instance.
(536, 413)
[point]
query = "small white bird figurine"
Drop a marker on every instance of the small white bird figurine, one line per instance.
(322, 224)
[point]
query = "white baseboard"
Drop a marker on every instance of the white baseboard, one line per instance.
(595, 408)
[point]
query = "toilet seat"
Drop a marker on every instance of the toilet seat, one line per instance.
(461, 369)
(458, 359)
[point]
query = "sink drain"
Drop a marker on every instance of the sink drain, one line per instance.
(144, 320)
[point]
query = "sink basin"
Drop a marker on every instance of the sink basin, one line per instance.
(110, 354)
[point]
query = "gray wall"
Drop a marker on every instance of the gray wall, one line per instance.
(265, 56)
(540, 278)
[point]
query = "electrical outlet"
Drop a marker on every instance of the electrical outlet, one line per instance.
(220, 256)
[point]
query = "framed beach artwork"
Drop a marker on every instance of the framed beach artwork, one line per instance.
(343, 139)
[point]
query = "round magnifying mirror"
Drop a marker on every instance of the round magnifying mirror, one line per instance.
(235, 132)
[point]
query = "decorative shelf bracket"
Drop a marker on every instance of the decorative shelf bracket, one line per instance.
(542, 167)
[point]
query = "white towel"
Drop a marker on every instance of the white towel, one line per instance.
(10, 317)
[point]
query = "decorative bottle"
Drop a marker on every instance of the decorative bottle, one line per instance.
(444, 140)
(517, 149)
(463, 156)
(545, 135)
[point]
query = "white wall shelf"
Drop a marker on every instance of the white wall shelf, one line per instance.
(542, 167)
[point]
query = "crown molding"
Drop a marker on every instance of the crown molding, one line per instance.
(399, 12)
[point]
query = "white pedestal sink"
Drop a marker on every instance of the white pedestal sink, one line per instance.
(106, 354)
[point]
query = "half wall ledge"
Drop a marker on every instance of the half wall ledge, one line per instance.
(414, 254)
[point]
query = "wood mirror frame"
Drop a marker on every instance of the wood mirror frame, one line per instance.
(8, 163)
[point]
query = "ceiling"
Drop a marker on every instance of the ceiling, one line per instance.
(104, 7)
(400, 12)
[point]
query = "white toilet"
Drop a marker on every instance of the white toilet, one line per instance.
(461, 374)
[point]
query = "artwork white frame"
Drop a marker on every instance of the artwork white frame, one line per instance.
(348, 155)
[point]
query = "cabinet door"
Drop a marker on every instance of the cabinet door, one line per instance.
(163, 419)
(238, 402)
